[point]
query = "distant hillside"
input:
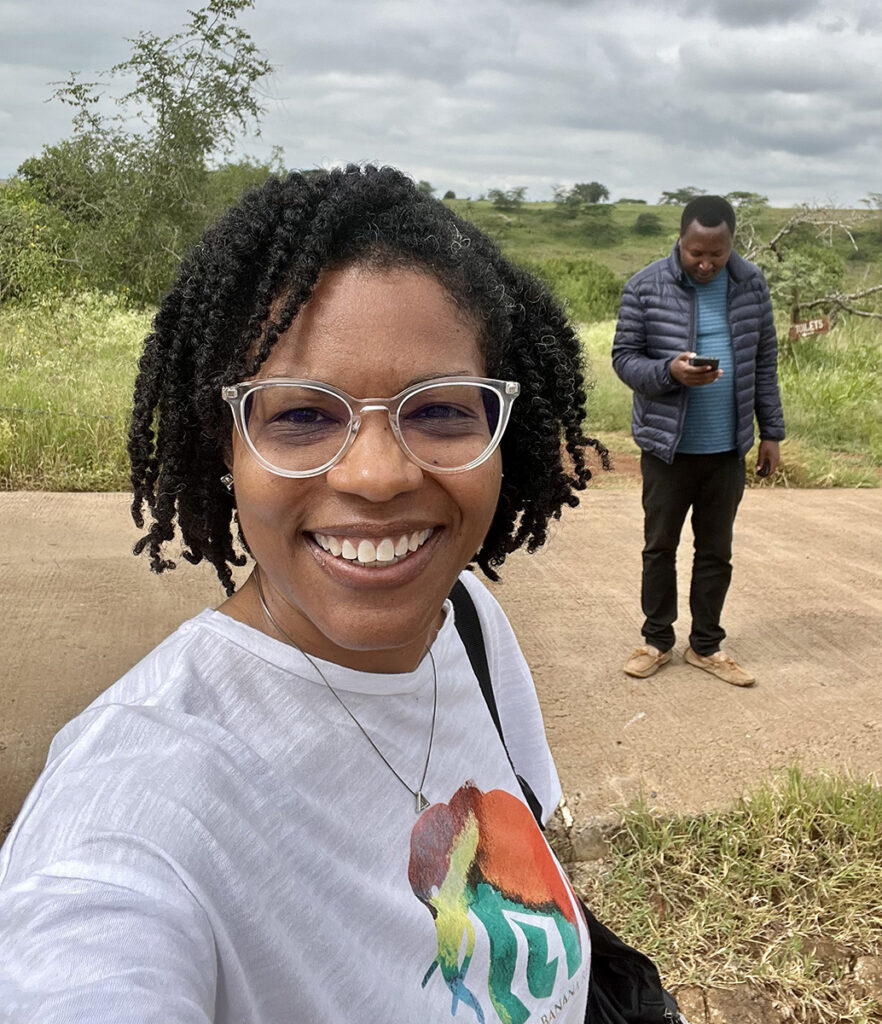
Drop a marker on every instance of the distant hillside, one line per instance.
(624, 237)
(586, 258)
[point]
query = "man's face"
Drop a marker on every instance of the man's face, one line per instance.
(704, 251)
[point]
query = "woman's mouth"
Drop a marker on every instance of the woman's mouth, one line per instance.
(379, 552)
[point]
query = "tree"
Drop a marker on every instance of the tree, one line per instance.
(804, 271)
(753, 199)
(566, 201)
(136, 199)
(450, 194)
(681, 196)
(425, 186)
(592, 192)
(510, 199)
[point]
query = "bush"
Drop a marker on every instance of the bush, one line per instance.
(599, 225)
(648, 224)
(32, 247)
(590, 290)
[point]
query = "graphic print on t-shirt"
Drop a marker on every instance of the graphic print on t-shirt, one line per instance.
(481, 863)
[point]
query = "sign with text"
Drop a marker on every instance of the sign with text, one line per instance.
(820, 325)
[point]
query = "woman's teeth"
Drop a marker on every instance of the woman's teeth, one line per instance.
(388, 551)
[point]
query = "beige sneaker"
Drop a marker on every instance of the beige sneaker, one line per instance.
(646, 660)
(722, 666)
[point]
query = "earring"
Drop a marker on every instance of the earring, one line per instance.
(227, 481)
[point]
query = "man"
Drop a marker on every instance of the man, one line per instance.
(693, 421)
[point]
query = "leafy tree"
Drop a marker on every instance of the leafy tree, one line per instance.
(639, 202)
(32, 246)
(136, 199)
(450, 194)
(681, 196)
(425, 186)
(804, 272)
(752, 199)
(591, 192)
(510, 199)
(567, 201)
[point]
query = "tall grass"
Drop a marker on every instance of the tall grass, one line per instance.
(831, 389)
(590, 290)
(781, 890)
(67, 369)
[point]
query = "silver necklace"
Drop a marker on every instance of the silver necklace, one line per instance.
(420, 802)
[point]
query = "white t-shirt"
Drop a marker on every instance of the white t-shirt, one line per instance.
(214, 840)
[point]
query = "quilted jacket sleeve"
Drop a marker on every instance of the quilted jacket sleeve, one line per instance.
(643, 372)
(767, 399)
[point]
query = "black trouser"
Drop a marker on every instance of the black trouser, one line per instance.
(712, 485)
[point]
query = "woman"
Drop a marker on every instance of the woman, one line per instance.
(297, 807)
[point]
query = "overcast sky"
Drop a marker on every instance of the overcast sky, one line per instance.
(781, 97)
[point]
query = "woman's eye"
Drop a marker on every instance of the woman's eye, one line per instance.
(304, 416)
(438, 411)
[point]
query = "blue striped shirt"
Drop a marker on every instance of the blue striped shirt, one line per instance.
(709, 425)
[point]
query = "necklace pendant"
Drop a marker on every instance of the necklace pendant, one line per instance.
(421, 802)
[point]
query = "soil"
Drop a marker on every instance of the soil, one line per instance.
(803, 614)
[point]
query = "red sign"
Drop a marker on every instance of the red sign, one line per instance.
(820, 325)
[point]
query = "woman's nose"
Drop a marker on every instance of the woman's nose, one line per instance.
(376, 466)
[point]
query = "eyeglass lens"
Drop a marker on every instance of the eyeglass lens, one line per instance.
(301, 428)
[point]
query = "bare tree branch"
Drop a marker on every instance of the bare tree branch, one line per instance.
(844, 302)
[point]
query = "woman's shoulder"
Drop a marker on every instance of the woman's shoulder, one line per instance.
(172, 751)
(486, 604)
(198, 703)
(168, 675)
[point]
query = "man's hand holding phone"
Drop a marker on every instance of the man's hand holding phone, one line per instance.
(693, 370)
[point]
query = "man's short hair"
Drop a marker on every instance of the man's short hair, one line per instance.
(709, 211)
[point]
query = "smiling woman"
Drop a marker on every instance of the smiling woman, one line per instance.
(362, 384)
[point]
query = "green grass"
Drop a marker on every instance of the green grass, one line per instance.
(67, 367)
(781, 890)
(540, 231)
(66, 373)
(831, 387)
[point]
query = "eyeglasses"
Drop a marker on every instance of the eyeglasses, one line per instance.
(299, 428)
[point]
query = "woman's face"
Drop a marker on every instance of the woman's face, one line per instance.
(370, 333)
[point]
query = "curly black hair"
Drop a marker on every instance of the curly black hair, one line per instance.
(242, 286)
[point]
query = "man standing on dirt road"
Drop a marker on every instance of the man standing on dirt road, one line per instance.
(696, 343)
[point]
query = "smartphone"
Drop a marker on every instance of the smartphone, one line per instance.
(708, 362)
(764, 469)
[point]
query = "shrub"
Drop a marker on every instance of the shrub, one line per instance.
(32, 246)
(648, 224)
(590, 290)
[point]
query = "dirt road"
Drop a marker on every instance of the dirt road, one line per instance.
(76, 610)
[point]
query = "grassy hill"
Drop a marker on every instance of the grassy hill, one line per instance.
(623, 237)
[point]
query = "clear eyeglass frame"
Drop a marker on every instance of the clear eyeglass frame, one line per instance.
(237, 395)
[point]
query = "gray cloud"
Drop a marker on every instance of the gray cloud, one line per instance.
(775, 96)
(752, 13)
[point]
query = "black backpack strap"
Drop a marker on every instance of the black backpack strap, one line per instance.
(468, 625)
(625, 987)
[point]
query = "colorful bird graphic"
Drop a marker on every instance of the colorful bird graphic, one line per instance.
(483, 857)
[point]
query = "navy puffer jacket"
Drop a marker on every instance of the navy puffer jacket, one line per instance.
(658, 320)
